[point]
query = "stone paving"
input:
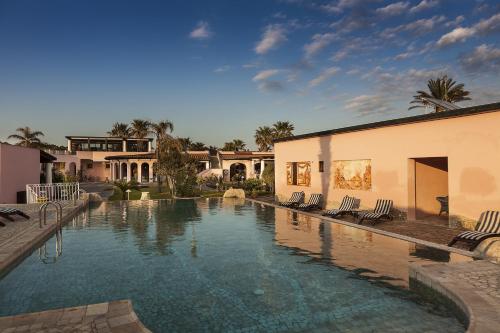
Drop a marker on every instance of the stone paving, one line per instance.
(473, 286)
(112, 317)
(18, 238)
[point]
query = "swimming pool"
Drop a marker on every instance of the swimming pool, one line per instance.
(214, 265)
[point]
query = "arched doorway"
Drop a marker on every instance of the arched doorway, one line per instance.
(72, 169)
(124, 170)
(237, 172)
(133, 171)
(145, 173)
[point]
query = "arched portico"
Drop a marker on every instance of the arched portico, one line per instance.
(134, 171)
(124, 173)
(145, 176)
(237, 172)
(72, 169)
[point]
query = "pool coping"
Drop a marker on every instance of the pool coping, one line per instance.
(480, 311)
(113, 317)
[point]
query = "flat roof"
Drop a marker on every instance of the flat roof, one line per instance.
(462, 112)
(242, 155)
(197, 155)
(83, 137)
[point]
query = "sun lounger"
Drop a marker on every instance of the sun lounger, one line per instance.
(488, 226)
(296, 199)
(314, 203)
(346, 206)
(382, 210)
(7, 213)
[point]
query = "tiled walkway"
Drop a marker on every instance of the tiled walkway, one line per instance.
(17, 238)
(112, 317)
(474, 286)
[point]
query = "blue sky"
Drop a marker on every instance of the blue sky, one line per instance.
(220, 69)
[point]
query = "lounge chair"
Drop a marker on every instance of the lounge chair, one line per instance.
(7, 213)
(382, 210)
(488, 226)
(296, 199)
(314, 203)
(346, 206)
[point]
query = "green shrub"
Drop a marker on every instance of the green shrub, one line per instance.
(251, 185)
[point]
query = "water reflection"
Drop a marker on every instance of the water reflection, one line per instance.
(369, 255)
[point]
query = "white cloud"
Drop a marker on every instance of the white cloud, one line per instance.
(274, 34)
(323, 76)
(418, 27)
(423, 5)
(264, 75)
(484, 59)
(393, 9)
(319, 42)
(222, 69)
(319, 108)
(340, 6)
(456, 35)
(459, 34)
(369, 104)
(201, 31)
(251, 65)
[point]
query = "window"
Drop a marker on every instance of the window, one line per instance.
(107, 165)
(298, 173)
(321, 166)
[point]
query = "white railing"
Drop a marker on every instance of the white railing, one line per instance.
(39, 193)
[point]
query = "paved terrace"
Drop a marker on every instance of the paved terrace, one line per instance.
(112, 317)
(18, 238)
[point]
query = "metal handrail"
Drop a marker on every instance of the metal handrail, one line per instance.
(42, 251)
(43, 208)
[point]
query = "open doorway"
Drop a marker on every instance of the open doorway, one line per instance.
(428, 189)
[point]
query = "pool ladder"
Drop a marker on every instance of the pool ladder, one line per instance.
(42, 213)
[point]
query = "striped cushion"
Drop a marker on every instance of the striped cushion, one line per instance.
(8, 210)
(369, 215)
(346, 205)
(474, 235)
(294, 199)
(489, 222)
(383, 207)
(313, 201)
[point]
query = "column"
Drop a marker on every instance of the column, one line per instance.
(150, 166)
(48, 173)
(129, 173)
(69, 145)
(124, 145)
(207, 165)
(149, 146)
(262, 165)
(139, 171)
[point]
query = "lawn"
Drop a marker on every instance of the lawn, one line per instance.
(136, 193)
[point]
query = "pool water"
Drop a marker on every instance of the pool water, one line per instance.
(229, 266)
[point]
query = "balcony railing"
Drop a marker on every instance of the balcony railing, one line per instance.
(40, 193)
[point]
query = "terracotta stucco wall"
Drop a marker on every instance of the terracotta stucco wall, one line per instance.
(18, 166)
(471, 143)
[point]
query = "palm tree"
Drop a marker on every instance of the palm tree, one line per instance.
(26, 137)
(264, 136)
(442, 88)
(235, 145)
(186, 143)
(198, 146)
(140, 129)
(282, 129)
(121, 130)
(161, 129)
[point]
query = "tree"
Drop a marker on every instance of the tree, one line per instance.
(177, 166)
(264, 136)
(140, 129)
(198, 146)
(235, 145)
(161, 131)
(121, 130)
(26, 137)
(268, 176)
(442, 88)
(282, 129)
(185, 142)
